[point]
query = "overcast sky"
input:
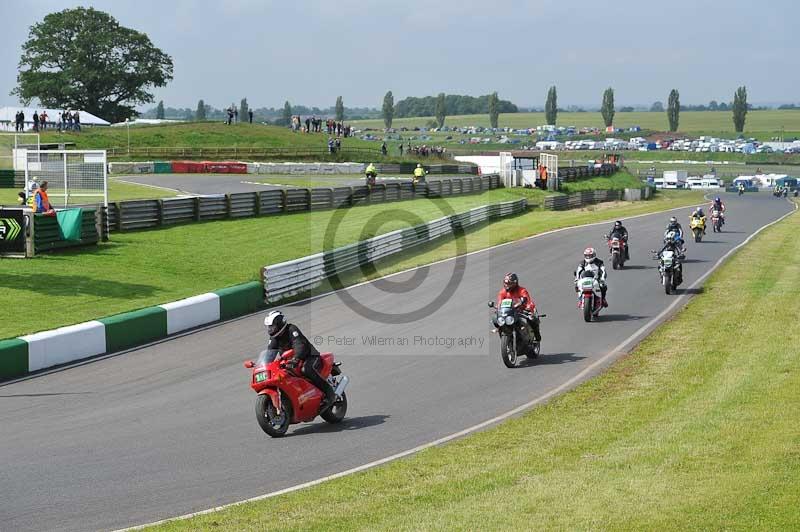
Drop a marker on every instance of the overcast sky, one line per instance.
(310, 51)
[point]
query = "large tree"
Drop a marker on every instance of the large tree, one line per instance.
(339, 109)
(494, 113)
(674, 109)
(200, 114)
(739, 108)
(160, 110)
(551, 106)
(441, 109)
(84, 59)
(607, 109)
(388, 109)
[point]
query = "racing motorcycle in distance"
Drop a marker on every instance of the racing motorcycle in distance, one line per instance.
(670, 267)
(716, 220)
(285, 397)
(616, 246)
(508, 323)
(698, 226)
(590, 298)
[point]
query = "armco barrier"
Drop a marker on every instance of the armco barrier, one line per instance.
(589, 197)
(143, 214)
(33, 352)
(297, 276)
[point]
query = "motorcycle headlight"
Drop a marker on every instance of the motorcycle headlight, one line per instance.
(509, 320)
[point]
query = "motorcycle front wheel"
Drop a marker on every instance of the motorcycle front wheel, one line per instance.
(507, 351)
(615, 262)
(268, 419)
(587, 308)
(667, 282)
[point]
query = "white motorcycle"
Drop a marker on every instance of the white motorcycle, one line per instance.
(590, 299)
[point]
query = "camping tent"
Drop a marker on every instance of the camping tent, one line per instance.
(8, 116)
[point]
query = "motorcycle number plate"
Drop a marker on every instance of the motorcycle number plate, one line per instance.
(261, 377)
(588, 283)
(506, 303)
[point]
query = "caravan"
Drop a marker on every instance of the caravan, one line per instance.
(675, 178)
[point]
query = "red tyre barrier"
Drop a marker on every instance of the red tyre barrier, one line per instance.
(222, 167)
(188, 167)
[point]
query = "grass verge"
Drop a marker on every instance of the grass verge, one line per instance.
(698, 429)
(144, 268)
(117, 191)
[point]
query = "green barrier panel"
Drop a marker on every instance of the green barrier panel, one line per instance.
(6, 178)
(241, 299)
(47, 236)
(134, 328)
(162, 167)
(13, 358)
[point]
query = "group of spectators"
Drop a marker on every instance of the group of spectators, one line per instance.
(233, 115)
(66, 121)
(422, 151)
(312, 124)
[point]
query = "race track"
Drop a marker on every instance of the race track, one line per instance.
(206, 184)
(170, 429)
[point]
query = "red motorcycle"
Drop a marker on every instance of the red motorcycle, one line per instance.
(616, 246)
(285, 397)
(716, 220)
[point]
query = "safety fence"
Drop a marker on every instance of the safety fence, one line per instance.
(212, 152)
(569, 174)
(142, 214)
(589, 197)
(47, 236)
(297, 276)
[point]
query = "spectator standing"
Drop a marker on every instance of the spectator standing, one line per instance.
(250, 115)
(36, 121)
(338, 144)
(43, 120)
(384, 151)
(77, 118)
(401, 149)
(235, 115)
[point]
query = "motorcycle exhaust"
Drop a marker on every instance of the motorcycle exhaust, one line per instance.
(342, 385)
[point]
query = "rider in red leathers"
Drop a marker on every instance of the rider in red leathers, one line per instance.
(522, 300)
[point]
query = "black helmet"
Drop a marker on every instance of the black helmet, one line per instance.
(510, 281)
(673, 221)
(275, 323)
(617, 224)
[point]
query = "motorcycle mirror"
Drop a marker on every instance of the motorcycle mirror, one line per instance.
(249, 364)
(542, 315)
(491, 304)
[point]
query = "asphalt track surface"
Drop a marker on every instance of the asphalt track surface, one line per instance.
(205, 184)
(170, 428)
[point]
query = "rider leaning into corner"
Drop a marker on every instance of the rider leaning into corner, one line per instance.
(284, 336)
(591, 261)
(718, 205)
(620, 232)
(521, 300)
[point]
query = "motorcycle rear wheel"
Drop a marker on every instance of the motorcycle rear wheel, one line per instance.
(268, 419)
(698, 235)
(336, 413)
(507, 351)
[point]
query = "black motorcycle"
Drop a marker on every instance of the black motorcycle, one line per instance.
(516, 335)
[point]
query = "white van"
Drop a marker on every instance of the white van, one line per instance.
(694, 182)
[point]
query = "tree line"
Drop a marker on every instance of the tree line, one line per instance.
(739, 108)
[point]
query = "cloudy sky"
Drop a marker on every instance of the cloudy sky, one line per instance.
(310, 51)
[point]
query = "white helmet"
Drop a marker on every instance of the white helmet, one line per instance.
(589, 254)
(275, 322)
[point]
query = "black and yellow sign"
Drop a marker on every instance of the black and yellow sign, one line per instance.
(12, 231)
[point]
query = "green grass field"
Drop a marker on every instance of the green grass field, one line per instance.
(144, 268)
(697, 429)
(117, 191)
(690, 122)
